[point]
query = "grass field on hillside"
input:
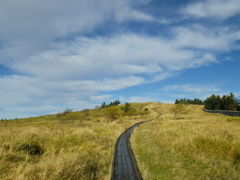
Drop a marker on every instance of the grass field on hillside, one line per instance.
(199, 145)
(45, 148)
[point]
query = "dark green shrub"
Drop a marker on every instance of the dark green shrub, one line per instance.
(31, 148)
(236, 158)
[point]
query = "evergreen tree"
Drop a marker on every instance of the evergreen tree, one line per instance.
(189, 101)
(226, 102)
(213, 102)
(177, 101)
(103, 105)
(229, 102)
(115, 103)
(127, 108)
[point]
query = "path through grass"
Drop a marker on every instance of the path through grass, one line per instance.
(42, 148)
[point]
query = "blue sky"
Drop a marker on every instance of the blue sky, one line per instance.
(78, 53)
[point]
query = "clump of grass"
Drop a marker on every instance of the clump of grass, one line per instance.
(14, 158)
(236, 157)
(30, 144)
(32, 149)
(233, 119)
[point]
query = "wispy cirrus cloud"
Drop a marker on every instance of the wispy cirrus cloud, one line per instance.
(122, 55)
(136, 99)
(101, 98)
(178, 91)
(204, 38)
(218, 9)
(191, 88)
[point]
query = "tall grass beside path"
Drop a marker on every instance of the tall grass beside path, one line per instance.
(44, 148)
(198, 146)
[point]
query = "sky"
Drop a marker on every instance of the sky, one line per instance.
(78, 53)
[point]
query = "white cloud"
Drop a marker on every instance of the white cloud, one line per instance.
(28, 27)
(192, 88)
(127, 15)
(218, 9)
(135, 99)
(22, 96)
(200, 37)
(101, 97)
(190, 91)
(123, 55)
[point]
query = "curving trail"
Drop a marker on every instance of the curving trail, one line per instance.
(124, 163)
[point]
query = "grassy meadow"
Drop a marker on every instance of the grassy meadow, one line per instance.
(79, 145)
(198, 145)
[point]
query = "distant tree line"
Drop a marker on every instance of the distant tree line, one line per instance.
(189, 101)
(8, 119)
(114, 103)
(225, 102)
(215, 102)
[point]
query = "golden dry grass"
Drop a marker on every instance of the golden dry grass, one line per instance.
(42, 148)
(198, 146)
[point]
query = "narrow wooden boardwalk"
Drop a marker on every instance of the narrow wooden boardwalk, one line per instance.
(124, 163)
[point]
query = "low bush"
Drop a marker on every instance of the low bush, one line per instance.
(31, 148)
